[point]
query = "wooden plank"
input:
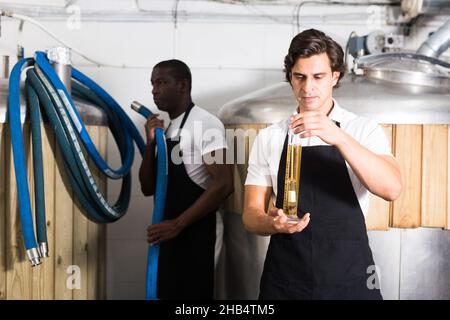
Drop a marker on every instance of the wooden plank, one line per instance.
(63, 230)
(2, 212)
(447, 226)
(30, 174)
(101, 233)
(80, 240)
(43, 277)
(434, 176)
(379, 209)
(18, 268)
(406, 211)
(235, 201)
(92, 248)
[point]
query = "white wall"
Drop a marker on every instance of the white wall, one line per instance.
(229, 56)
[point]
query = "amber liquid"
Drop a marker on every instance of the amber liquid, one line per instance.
(292, 209)
(292, 182)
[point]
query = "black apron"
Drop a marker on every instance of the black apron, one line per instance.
(329, 259)
(186, 262)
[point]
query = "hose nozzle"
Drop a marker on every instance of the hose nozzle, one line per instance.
(34, 256)
(43, 249)
(141, 109)
(135, 105)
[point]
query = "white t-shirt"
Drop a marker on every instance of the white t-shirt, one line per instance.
(201, 134)
(268, 146)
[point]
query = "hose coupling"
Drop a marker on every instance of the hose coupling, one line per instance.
(135, 105)
(43, 249)
(34, 257)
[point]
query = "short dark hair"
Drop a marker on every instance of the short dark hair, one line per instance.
(180, 70)
(313, 42)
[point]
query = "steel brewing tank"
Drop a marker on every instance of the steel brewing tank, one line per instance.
(76, 245)
(415, 90)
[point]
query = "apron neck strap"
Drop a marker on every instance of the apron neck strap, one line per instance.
(186, 115)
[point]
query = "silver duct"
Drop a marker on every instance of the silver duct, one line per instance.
(439, 42)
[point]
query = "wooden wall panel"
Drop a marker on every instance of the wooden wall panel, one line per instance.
(44, 275)
(94, 247)
(18, 272)
(378, 217)
(80, 236)
(2, 211)
(434, 175)
(406, 211)
(447, 225)
(98, 257)
(63, 230)
(72, 239)
(241, 145)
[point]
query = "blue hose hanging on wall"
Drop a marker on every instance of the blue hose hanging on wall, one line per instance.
(19, 161)
(44, 88)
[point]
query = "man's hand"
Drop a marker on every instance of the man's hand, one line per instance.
(163, 231)
(280, 222)
(315, 123)
(152, 123)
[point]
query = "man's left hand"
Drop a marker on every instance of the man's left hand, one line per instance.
(314, 123)
(163, 231)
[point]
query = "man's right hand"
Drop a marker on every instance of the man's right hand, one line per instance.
(281, 225)
(152, 123)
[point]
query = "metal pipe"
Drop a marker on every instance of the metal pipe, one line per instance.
(5, 67)
(438, 43)
(60, 60)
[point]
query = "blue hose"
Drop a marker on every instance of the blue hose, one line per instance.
(44, 88)
(113, 105)
(19, 160)
(159, 202)
(38, 166)
(43, 63)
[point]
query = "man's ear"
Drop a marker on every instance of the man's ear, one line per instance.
(184, 85)
(335, 76)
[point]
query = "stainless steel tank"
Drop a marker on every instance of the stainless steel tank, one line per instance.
(90, 114)
(391, 89)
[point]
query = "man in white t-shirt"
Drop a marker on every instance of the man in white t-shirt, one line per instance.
(199, 180)
(325, 254)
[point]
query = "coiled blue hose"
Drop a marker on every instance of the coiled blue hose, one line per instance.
(159, 203)
(43, 63)
(44, 88)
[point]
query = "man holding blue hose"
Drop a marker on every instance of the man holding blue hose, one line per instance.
(199, 180)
